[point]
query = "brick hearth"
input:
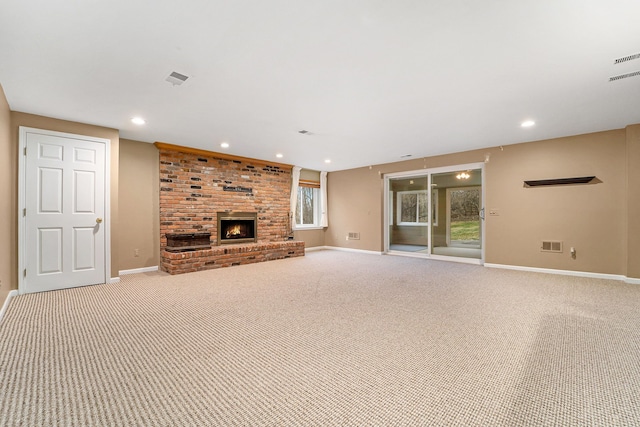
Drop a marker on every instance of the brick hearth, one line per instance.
(229, 255)
(195, 185)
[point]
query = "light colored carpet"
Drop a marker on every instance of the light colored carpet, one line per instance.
(329, 339)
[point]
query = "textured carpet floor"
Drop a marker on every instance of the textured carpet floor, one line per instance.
(329, 339)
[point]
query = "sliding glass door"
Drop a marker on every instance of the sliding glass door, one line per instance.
(436, 213)
(408, 228)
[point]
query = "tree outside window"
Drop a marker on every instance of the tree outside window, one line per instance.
(307, 206)
(413, 207)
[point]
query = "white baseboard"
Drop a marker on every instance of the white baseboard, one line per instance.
(5, 306)
(114, 280)
(361, 251)
(566, 272)
(139, 270)
(632, 280)
(315, 249)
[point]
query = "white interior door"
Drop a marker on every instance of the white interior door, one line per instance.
(65, 207)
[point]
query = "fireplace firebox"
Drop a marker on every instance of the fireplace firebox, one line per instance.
(237, 227)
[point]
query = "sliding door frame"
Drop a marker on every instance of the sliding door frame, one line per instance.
(421, 173)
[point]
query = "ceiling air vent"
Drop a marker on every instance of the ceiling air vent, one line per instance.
(626, 58)
(624, 76)
(176, 79)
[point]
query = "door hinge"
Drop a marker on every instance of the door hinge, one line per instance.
(25, 151)
(24, 273)
(24, 212)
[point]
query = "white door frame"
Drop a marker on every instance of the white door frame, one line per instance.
(429, 172)
(22, 198)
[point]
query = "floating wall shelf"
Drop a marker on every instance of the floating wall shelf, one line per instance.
(559, 181)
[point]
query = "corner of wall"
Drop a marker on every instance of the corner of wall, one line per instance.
(633, 201)
(8, 193)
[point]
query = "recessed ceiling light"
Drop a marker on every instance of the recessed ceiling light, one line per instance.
(327, 161)
(224, 145)
(279, 155)
(138, 120)
(527, 123)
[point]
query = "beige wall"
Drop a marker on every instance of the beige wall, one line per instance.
(591, 218)
(309, 175)
(311, 238)
(8, 177)
(139, 205)
(633, 188)
(30, 120)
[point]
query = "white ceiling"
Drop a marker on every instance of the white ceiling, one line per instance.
(371, 80)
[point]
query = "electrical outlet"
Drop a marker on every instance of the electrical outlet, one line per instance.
(136, 252)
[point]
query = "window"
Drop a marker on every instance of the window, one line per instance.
(308, 207)
(413, 207)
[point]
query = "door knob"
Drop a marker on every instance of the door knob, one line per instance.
(98, 220)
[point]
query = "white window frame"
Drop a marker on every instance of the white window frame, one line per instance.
(434, 201)
(316, 210)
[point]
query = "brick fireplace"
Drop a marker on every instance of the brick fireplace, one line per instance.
(203, 192)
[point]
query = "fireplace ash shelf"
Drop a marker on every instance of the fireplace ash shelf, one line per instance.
(184, 242)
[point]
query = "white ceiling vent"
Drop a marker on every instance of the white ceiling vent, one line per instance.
(176, 79)
(626, 58)
(624, 76)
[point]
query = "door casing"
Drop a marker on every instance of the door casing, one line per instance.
(22, 198)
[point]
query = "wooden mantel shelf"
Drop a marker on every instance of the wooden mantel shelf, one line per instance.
(200, 152)
(560, 181)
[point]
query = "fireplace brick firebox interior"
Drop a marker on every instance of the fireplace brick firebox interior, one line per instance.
(197, 186)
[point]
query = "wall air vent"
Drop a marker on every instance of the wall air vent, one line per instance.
(353, 236)
(626, 58)
(176, 79)
(551, 246)
(624, 76)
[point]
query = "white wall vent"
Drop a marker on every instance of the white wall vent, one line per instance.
(353, 235)
(551, 246)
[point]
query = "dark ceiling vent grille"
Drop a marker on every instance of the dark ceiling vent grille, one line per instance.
(176, 78)
(624, 76)
(627, 58)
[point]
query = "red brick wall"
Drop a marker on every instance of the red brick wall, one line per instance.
(192, 192)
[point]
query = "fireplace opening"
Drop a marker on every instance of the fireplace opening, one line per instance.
(237, 227)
